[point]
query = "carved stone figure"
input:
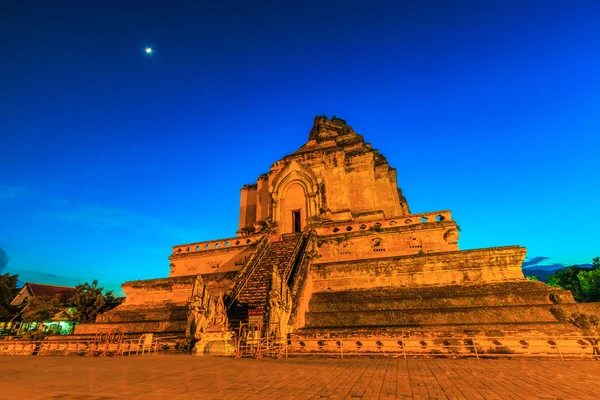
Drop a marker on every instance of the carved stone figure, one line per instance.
(219, 322)
(279, 303)
(201, 310)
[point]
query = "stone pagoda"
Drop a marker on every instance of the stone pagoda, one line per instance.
(327, 245)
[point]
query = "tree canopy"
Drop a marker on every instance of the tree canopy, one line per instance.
(89, 301)
(584, 283)
(8, 290)
(40, 309)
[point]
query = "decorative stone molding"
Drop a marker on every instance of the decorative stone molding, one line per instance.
(295, 173)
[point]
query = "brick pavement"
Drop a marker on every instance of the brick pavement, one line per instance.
(186, 377)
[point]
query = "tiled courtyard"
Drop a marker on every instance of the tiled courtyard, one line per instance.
(186, 377)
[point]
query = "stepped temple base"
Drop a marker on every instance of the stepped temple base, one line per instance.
(327, 247)
(157, 306)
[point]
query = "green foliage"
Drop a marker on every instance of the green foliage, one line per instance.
(40, 309)
(590, 284)
(8, 290)
(532, 278)
(566, 279)
(584, 283)
(89, 301)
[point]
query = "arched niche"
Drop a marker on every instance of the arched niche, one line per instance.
(295, 199)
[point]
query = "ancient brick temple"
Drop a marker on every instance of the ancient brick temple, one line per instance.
(327, 244)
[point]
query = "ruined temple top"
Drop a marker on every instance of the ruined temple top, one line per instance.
(334, 134)
(334, 176)
(325, 128)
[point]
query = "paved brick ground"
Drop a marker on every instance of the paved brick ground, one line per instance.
(188, 377)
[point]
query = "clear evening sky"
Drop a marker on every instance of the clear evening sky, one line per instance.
(110, 156)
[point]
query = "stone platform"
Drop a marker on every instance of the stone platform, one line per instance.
(155, 305)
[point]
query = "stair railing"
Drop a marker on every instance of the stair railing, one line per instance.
(297, 289)
(289, 268)
(241, 278)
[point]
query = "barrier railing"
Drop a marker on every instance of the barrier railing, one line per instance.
(259, 340)
(255, 343)
(79, 347)
(298, 286)
(294, 257)
(565, 347)
(243, 275)
(406, 220)
(218, 244)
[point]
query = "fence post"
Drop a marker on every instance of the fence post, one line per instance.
(475, 348)
(558, 348)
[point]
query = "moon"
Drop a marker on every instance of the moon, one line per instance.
(148, 50)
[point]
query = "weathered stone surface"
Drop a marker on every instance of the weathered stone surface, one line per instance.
(366, 267)
(216, 256)
(524, 292)
(449, 268)
(335, 176)
(155, 305)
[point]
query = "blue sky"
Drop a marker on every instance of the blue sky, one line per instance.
(109, 156)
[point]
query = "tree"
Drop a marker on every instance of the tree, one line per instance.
(589, 280)
(566, 279)
(8, 290)
(532, 278)
(40, 309)
(584, 283)
(89, 301)
(588, 323)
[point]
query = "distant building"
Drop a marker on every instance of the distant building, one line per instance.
(29, 290)
(62, 322)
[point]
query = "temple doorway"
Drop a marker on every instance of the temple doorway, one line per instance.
(296, 221)
(292, 216)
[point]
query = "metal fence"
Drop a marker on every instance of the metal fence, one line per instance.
(89, 347)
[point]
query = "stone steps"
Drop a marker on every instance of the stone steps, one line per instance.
(164, 327)
(279, 254)
(254, 293)
(500, 294)
(439, 316)
(433, 330)
(139, 314)
(517, 286)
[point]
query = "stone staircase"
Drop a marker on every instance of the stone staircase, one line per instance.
(441, 308)
(283, 255)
